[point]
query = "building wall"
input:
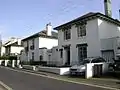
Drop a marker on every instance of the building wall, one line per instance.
(43, 53)
(47, 42)
(2, 50)
(91, 39)
(107, 30)
(40, 43)
(16, 49)
(109, 34)
(35, 50)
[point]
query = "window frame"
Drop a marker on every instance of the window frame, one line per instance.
(81, 30)
(82, 51)
(67, 34)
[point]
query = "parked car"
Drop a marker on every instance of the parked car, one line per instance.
(115, 66)
(80, 69)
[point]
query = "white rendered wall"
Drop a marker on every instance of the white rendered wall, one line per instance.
(16, 49)
(47, 42)
(92, 39)
(2, 51)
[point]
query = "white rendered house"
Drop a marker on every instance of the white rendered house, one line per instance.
(90, 35)
(35, 46)
(12, 47)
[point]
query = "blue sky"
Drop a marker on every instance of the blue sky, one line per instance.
(21, 18)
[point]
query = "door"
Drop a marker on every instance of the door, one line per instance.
(68, 56)
(108, 55)
(67, 49)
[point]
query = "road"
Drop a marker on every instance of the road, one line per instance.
(24, 81)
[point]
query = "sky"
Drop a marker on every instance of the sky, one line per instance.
(22, 18)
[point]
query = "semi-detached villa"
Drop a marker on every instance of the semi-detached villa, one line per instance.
(91, 35)
(37, 45)
(11, 47)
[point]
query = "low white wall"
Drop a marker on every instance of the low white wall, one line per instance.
(90, 71)
(1, 61)
(104, 67)
(29, 67)
(60, 71)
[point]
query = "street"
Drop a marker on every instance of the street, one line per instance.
(24, 81)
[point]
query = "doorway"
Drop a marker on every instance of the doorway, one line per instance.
(67, 49)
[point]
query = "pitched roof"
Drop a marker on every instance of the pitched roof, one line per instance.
(89, 16)
(43, 34)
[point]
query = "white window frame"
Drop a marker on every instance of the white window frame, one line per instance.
(67, 34)
(81, 30)
(82, 52)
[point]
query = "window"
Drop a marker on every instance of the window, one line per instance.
(41, 57)
(33, 56)
(67, 34)
(82, 52)
(33, 42)
(81, 30)
(32, 46)
(61, 54)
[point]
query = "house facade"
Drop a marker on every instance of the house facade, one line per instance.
(90, 35)
(35, 46)
(12, 47)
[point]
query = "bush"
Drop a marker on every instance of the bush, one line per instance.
(25, 63)
(4, 58)
(8, 58)
(12, 57)
(38, 62)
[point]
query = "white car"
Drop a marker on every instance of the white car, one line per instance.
(80, 69)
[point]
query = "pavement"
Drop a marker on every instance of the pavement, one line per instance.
(22, 80)
(3, 86)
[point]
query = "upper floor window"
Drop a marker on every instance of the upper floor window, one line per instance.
(32, 56)
(67, 34)
(32, 46)
(33, 42)
(81, 30)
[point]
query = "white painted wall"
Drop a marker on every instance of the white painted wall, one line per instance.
(2, 50)
(109, 34)
(100, 35)
(108, 30)
(39, 43)
(91, 39)
(47, 42)
(16, 49)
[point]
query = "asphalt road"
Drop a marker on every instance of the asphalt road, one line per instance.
(24, 81)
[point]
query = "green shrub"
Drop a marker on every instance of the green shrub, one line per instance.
(12, 57)
(8, 58)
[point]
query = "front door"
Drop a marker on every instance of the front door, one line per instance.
(67, 56)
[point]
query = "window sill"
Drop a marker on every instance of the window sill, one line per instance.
(67, 40)
(82, 37)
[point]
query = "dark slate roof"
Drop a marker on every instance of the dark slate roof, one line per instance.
(43, 34)
(89, 16)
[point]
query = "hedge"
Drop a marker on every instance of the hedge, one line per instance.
(8, 58)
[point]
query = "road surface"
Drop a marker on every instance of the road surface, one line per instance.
(24, 81)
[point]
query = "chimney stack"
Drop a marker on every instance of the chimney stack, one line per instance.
(107, 6)
(49, 29)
